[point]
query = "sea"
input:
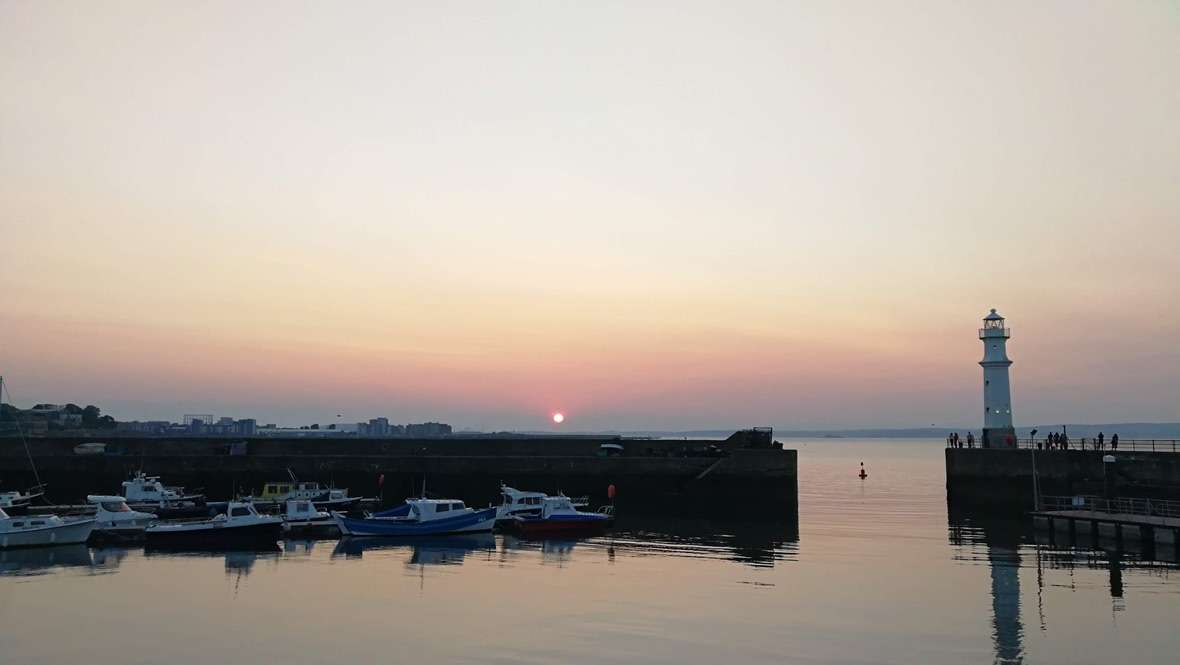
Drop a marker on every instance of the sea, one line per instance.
(875, 570)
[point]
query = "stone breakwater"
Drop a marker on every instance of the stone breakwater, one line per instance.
(745, 473)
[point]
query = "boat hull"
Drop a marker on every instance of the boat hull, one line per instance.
(474, 522)
(70, 533)
(250, 536)
(119, 535)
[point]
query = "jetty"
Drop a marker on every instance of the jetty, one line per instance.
(1129, 521)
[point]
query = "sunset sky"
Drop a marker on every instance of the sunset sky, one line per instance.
(645, 215)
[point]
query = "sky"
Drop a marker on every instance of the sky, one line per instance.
(644, 215)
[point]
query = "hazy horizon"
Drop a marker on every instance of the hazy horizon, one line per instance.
(645, 216)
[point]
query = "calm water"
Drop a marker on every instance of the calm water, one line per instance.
(875, 572)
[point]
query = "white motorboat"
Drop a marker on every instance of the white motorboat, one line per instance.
(116, 521)
(38, 530)
(300, 517)
(518, 503)
(144, 491)
(239, 526)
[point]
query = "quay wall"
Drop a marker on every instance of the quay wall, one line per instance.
(655, 474)
(1004, 477)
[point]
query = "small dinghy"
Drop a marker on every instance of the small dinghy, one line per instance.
(300, 518)
(38, 530)
(419, 517)
(559, 517)
(240, 526)
(116, 522)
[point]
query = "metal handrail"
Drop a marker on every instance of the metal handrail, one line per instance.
(1090, 444)
(1121, 506)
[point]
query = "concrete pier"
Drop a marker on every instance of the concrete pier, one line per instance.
(1003, 478)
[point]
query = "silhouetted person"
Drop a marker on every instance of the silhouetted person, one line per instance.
(1114, 441)
(1101, 440)
(970, 439)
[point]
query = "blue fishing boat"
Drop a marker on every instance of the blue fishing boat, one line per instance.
(419, 517)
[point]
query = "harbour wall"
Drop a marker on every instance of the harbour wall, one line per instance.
(1003, 478)
(655, 474)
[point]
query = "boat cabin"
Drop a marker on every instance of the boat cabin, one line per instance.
(301, 510)
(558, 505)
(149, 488)
(239, 509)
(515, 498)
(113, 511)
(284, 490)
(424, 510)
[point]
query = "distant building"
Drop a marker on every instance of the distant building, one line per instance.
(428, 430)
(144, 427)
(375, 427)
(246, 427)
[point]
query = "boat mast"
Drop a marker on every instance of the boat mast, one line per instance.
(21, 432)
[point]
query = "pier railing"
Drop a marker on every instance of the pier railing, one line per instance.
(1090, 444)
(1097, 504)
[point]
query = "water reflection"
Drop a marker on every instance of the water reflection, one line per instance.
(40, 560)
(1010, 543)
(439, 550)
(755, 543)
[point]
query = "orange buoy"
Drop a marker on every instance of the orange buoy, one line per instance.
(610, 492)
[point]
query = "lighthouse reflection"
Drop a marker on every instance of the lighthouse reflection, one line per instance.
(1007, 631)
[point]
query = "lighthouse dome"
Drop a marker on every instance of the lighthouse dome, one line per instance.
(993, 316)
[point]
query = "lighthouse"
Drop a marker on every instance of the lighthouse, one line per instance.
(997, 396)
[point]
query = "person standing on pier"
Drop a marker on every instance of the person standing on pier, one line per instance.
(1101, 440)
(970, 439)
(1114, 441)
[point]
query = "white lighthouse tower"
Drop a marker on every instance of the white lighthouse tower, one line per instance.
(997, 395)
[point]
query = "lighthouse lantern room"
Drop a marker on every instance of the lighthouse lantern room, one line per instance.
(997, 395)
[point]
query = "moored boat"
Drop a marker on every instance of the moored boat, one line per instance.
(300, 518)
(147, 492)
(419, 517)
(324, 498)
(116, 522)
(17, 503)
(240, 526)
(558, 516)
(514, 502)
(38, 530)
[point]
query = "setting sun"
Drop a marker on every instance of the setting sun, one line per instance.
(559, 418)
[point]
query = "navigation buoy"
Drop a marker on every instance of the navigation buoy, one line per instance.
(610, 491)
(862, 473)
